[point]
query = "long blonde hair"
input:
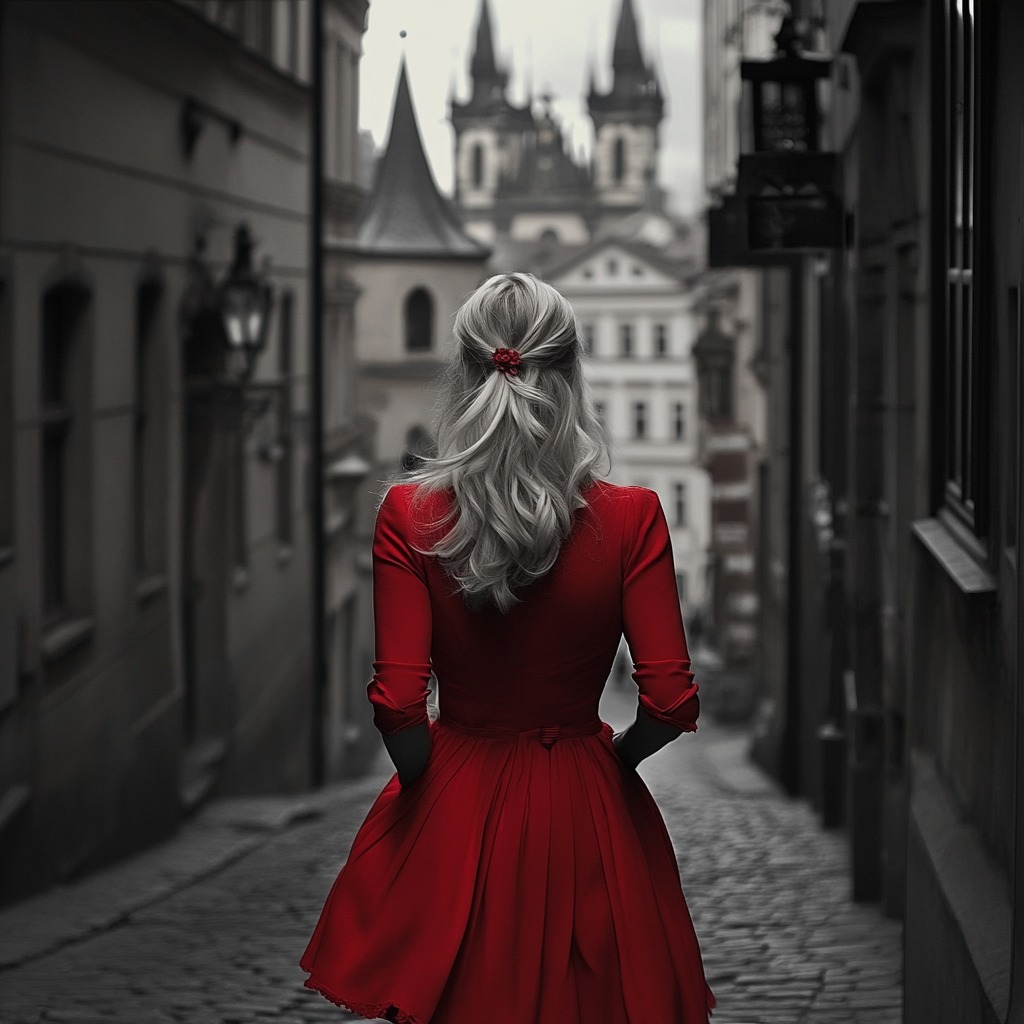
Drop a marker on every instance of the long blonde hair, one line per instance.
(515, 450)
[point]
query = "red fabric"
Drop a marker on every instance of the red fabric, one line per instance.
(526, 877)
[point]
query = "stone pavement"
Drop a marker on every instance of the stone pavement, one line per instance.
(208, 927)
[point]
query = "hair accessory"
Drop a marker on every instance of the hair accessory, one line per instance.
(507, 360)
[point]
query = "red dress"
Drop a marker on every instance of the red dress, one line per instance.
(526, 877)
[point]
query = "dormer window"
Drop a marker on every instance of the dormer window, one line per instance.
(637, 270)
(619, 168)
(613, 267)
(588, 271)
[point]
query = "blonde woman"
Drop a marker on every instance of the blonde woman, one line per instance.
(516, 870)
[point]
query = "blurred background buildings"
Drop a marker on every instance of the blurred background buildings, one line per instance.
(222, 316)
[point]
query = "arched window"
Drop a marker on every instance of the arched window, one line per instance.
(549, 235)
(478, 165)
(419, 321)
(620, 158)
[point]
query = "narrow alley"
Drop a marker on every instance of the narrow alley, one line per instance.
(208, 928)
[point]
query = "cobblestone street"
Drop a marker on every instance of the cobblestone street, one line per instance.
(210, 927)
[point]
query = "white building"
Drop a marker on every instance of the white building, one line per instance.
(635, 309)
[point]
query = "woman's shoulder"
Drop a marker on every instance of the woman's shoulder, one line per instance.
(416, 511)
(623, 500)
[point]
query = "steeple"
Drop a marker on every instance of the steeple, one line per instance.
(405, 214)
(626, 55)
(635, 93)
(483, 65)
(489, 80)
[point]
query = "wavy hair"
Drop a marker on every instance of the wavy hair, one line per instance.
(515, 451)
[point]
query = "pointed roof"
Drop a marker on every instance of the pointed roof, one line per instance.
(635, 90)
(405, 215)
(483, 64)
(626, 55)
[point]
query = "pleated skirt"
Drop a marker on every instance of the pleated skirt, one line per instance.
(519, 880)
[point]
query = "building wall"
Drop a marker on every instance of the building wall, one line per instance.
(641, 297)
(98, 191)
(398, 388)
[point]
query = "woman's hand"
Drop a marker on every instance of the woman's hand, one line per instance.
(410, 751)
(644, 737)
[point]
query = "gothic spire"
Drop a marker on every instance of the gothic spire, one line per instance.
(405, 214)
(483, 64)
(626, 55)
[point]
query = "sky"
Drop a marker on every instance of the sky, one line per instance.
(549, 43)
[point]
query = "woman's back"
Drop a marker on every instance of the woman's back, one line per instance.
(545, 662)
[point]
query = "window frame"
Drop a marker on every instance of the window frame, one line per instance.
(661, 340)
(407, 323)
(679, 505)
(964, 335)
(679, 420)
(641, 419)
(627, 341)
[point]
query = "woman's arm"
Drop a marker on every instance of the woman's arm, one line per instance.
(402, 634)
(644, 737)
(653, 626)
(409, 750)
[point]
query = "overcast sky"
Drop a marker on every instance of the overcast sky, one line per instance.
(551, 43)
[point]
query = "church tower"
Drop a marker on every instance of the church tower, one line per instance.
(489, 133)
(626, 123)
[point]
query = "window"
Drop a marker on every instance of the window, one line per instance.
(612, 267)
(965, 362)
(679, 421)
(716, 388)
(6, 430)
(478, 165)
(679, 504)
(588, 339)
(639, 420)
(63, 309)
(636, 270)
(148, 463)
(1014, 334)
(419, 321)
(660, 340)
(258, 26)
(285, 455)
(549, 235)
(619, 159)
(626, 340)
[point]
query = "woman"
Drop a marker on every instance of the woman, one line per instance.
(516, 870)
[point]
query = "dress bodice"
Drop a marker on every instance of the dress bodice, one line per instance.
(545, 662)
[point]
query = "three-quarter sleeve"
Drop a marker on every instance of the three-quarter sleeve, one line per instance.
(652, 620)
(402, 621)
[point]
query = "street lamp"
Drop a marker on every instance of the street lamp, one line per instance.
(244, 301)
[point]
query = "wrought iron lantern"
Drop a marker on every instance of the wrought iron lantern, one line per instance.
(244, 301)
(784, 96)
(789, 188)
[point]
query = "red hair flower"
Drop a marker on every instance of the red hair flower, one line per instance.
(507, 360)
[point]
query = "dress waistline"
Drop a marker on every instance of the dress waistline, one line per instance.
(546, 735)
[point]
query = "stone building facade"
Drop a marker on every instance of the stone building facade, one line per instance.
(635, 308)
(895, 393)
(156, 583)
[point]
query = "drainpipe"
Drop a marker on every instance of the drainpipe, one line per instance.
(316, 442)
